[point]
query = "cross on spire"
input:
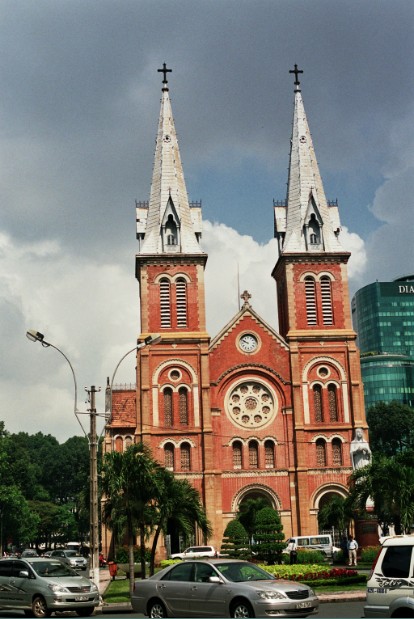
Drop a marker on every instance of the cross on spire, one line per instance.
(246, 296)
(296, 71)
(164, 70)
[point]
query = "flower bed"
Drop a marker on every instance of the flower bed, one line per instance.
(315, 574)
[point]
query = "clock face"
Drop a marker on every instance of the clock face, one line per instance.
(248, 342)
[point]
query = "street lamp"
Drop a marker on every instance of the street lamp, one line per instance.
(36, 336)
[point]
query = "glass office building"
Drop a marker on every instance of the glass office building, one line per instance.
(383, 317)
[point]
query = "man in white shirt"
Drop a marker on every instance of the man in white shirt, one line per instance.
(352, 551)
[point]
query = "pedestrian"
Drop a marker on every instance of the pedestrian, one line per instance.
(293, 552)
(352, 550)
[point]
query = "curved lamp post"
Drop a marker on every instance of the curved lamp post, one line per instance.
(36, 336)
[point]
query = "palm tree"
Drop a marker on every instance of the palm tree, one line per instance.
(389, 483)
(247, 513)
(178, 505)
(130, 484)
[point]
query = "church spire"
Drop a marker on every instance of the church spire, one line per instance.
(307, 222)
(169, 226)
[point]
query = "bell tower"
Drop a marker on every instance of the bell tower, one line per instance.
(315, 319)
(172, 399)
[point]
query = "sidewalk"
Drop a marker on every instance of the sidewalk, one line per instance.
(104, 580)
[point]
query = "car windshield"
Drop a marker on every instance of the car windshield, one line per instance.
(241, 572)
(52, 568)
(71, 553)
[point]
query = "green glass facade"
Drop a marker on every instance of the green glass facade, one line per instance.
(383, 317)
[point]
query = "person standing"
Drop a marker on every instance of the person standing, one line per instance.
(352, 550)
(293, 552)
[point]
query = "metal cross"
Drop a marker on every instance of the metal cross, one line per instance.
(165, 71)
(296, 71)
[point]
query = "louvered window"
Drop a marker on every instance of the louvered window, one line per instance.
(270, 455)
(169, 457)
(336, 452)
(253, 455)
(333, 403)
(237, 455)
(165, 303)
(183, 405)
(310, 294)
(317, 402)
(326, 297)
(168, 407)
(320, 452)
(181, 292)
(185, 457)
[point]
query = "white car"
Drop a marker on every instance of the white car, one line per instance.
(390, 586)
(196, 551)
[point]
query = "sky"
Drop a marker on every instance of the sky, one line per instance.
(79, 106)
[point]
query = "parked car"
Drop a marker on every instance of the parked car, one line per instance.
(29, 552)
(221, 588)
(390, 586)
(195, 551)
(40, 586)
(72, 558)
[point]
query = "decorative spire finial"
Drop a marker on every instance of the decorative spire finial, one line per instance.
(296, 71)
(246, 296)
(164, 70)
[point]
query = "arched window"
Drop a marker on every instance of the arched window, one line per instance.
(326, 299)
(169, 456)
(333, 402)
(165, 303)
(183, 405)
(171, 231)
(253, 455)
(313, 238)
(181, 298)
(336, 452)
(314, 230)
(317, 402)
(269, 454)
(128, 441)
(185, 457)
(237, 455)
(310, 295)
(168, 407)
(320, 452)
(119, 444)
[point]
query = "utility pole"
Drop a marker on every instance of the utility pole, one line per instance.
(93, 511)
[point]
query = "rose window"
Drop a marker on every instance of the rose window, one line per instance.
(251, 405)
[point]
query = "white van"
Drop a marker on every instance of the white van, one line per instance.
(314, 542)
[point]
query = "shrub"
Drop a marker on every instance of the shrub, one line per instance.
(235, 542)
(122, 555)
(305, 557)
(369, 553)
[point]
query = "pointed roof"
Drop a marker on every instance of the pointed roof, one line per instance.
(168, 188)
(305, 193)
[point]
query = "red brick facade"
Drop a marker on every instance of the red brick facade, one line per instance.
(251, 412)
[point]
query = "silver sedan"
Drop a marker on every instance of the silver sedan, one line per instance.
(221, 588)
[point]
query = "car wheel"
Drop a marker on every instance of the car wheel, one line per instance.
(156, 609)
(39, 608)
(241, 608)
(85, 612)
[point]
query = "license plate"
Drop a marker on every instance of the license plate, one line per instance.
(304, 605)
(81, 598)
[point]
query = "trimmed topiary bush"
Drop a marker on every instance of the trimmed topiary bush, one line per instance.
(235, 542)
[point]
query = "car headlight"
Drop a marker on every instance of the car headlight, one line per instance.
(271, 595)
(311, 593)
(94, 588)
(57, 588)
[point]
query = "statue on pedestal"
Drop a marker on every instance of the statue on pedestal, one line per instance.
(360, 450)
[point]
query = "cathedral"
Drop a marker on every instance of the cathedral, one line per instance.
(248, 412)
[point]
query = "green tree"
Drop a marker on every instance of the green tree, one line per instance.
(389, 483)
(335, 513)
(247, 513)
(177, 505)
(130, 485)
(269, 536)
(391, 428)
(235, 542)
